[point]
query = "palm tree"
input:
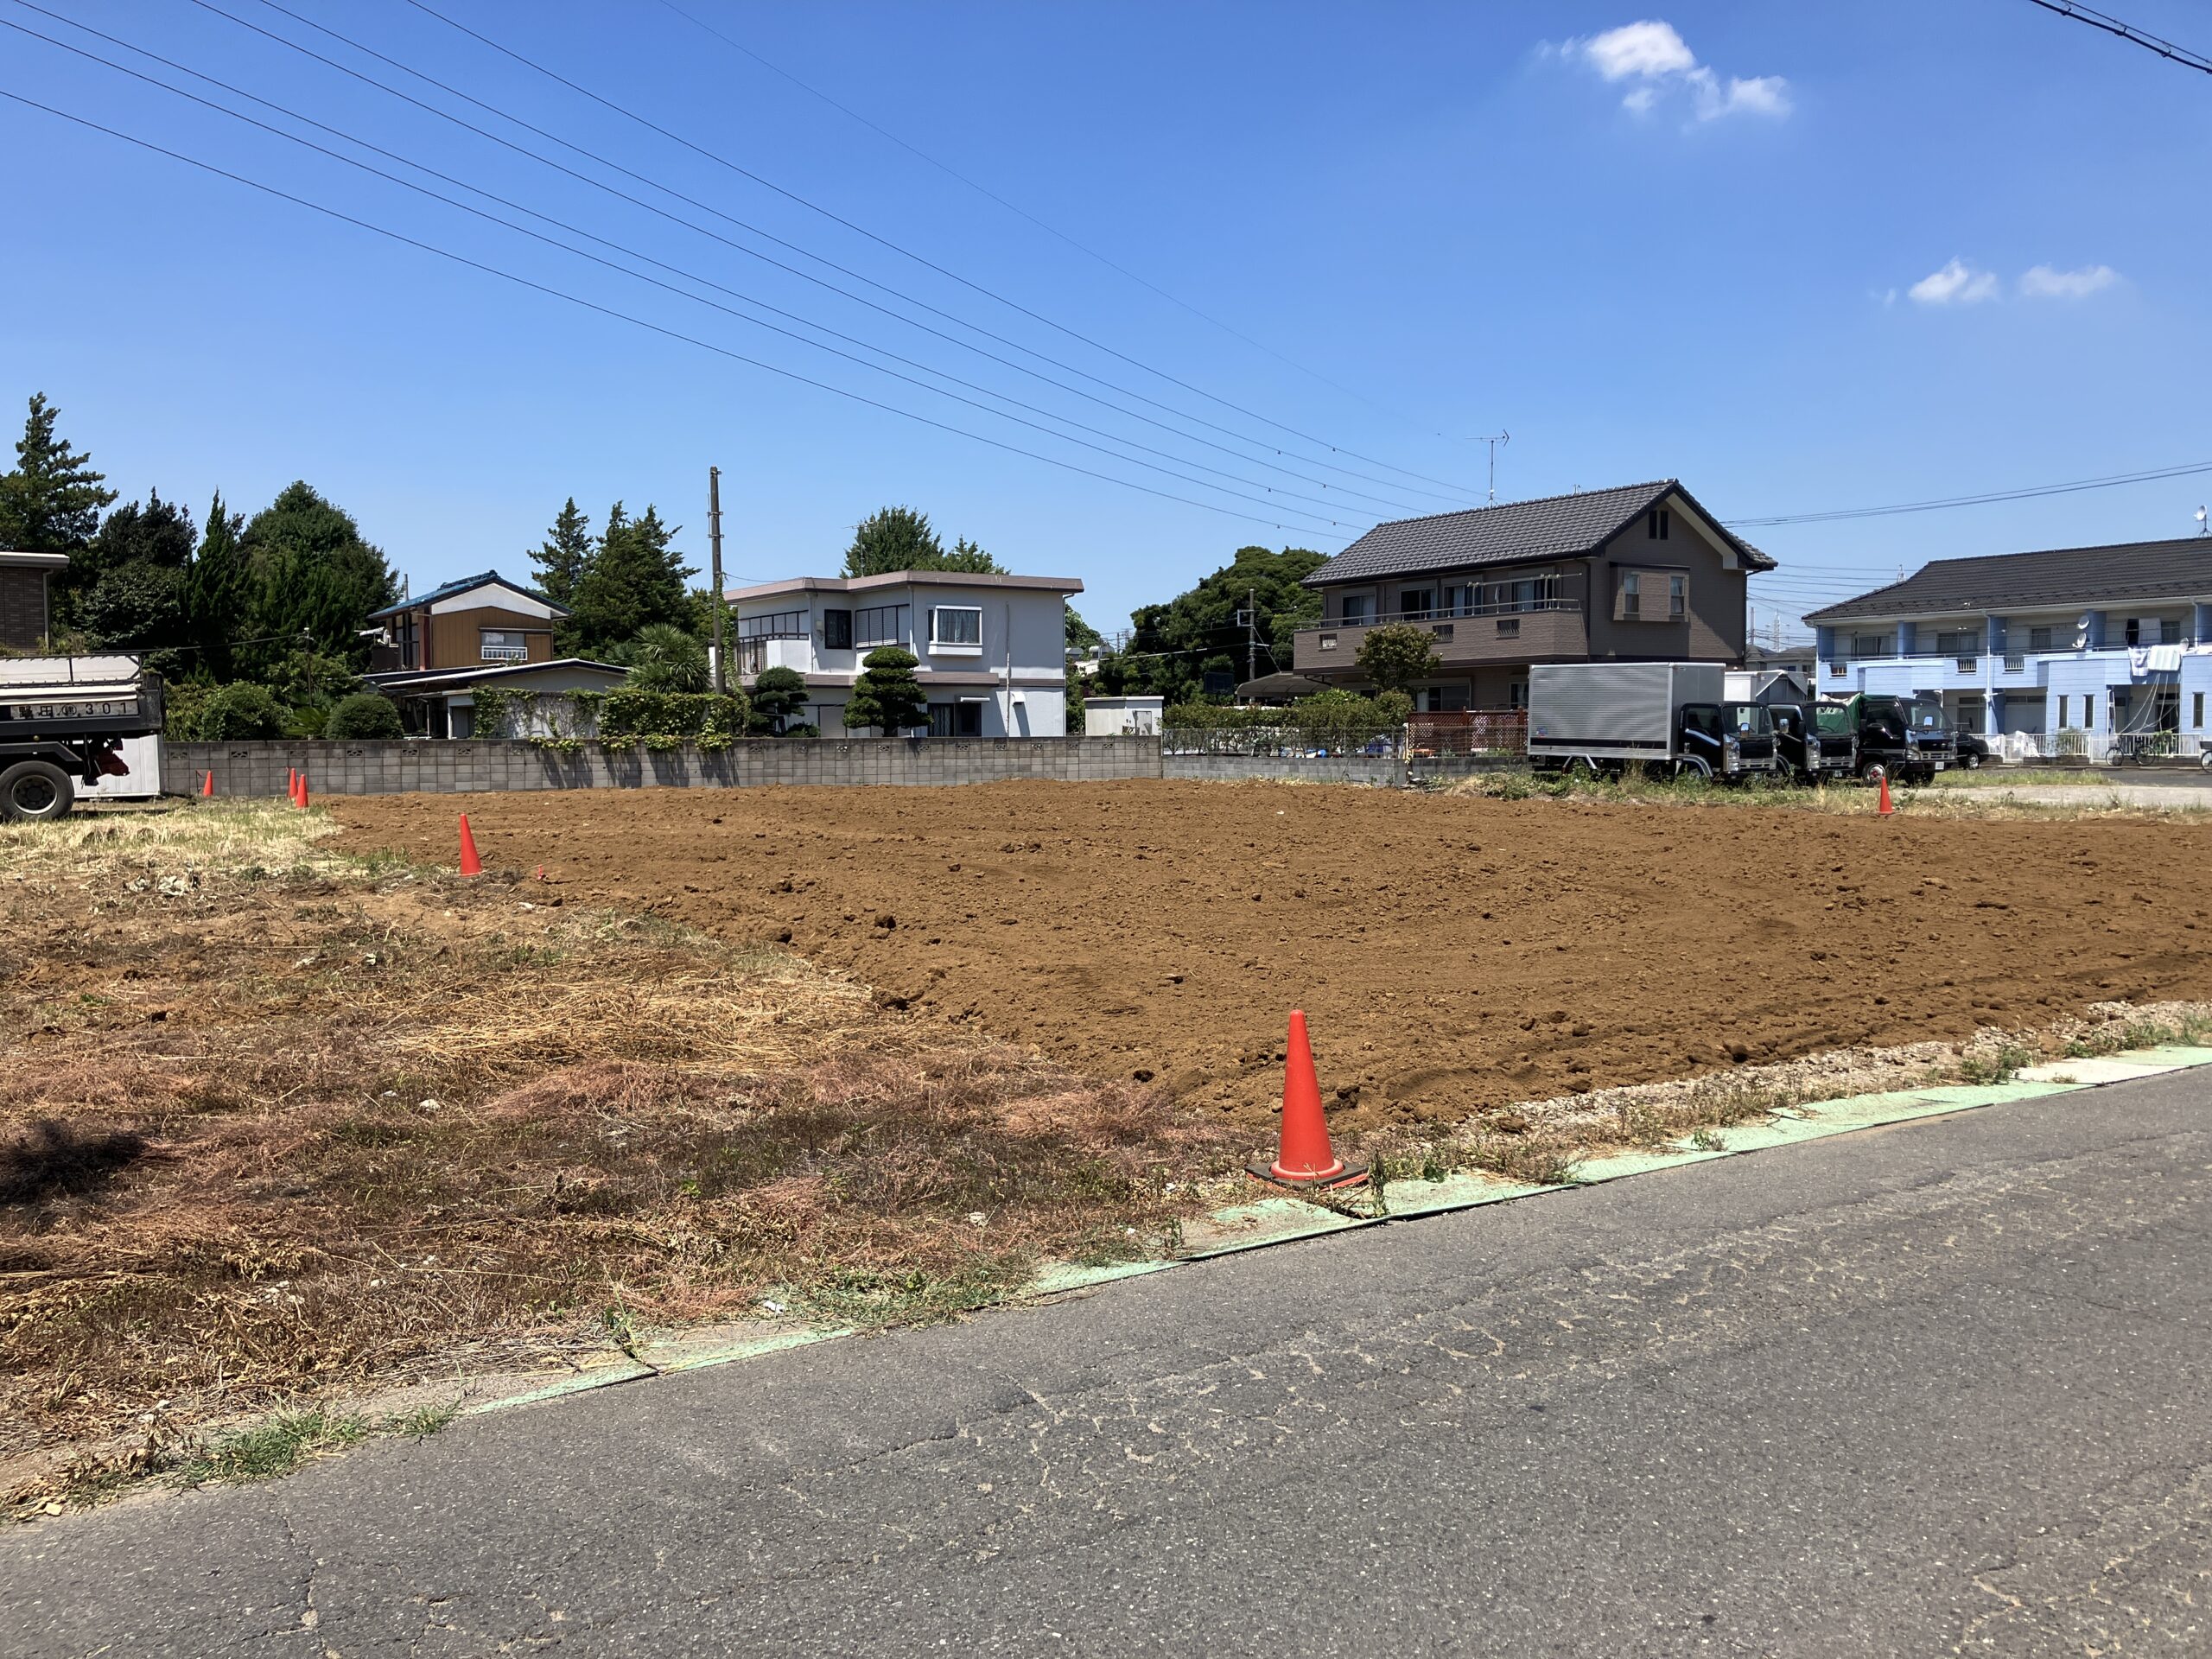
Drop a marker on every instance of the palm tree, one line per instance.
(662, 657)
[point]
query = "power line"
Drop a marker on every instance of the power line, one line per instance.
(1275, 465)
(2029, 493)
(635, 254)
(2110, 25)
(1015, 208)
(922, 260)
(624, 316)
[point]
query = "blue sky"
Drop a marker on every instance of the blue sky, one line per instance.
(1801, 257)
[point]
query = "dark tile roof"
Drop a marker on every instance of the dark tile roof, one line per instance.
(1552, 526)
(433, 679)
(2059, 575)
(482, 579)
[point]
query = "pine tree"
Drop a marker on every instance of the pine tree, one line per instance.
(893, 538)
(635, 577)
(562, 557)
(52, 502)
(218, 592)
(887, 696)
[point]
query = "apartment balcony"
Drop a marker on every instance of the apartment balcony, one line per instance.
(1484, 636)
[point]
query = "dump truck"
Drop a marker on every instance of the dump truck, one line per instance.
(1802, 749)
(1907, 739)
(63, 720)
(1675, 719)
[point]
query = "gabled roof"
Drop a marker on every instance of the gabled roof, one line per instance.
(483, 579)
(459, 679)
(1551, 526)
(2181, 568)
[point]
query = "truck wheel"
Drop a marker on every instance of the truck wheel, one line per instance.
(1872, 773)
(1582, 769)
(34, 791)
(1694, 767)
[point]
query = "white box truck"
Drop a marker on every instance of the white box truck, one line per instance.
(1675, 719)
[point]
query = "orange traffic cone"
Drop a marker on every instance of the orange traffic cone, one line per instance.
(292, 785)
(1884, 810)
(207, 786)
(470, 864)
(1303, 1157)
(299, 792)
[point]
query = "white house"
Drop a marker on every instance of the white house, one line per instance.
(992, 649)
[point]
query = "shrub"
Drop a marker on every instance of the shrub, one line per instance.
(241, 709)
(778, 695)
(887, 696)
(365, 714)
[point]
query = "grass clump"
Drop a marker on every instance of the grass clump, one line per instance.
(271, 1448)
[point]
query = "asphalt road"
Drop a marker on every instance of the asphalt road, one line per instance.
(1941, 1388)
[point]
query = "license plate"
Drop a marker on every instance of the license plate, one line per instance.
(1939, 765)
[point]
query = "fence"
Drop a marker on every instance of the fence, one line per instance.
(2073, 748)
(1468, 731)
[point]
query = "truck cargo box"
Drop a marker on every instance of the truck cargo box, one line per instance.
(1615, 710)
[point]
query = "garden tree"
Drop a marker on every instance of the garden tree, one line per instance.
(893, 538)
(126, 587)
(364, 714)
(968, 557)
(777, 694)
(219, 592)
(634, 577)
(887, 696)
(1081, 635)
(242, 710)
(662, 658)
(1077, 723)
(1397, 657)
(314, 579)
(562, 557)
(1173, 645)
(51, 503)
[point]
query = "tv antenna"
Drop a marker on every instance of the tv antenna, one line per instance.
(2202, 528)
(1503, 436)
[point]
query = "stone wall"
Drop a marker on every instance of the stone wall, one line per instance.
(387, 768)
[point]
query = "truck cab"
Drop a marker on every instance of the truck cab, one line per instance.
(1726, 740)
(1806, 748)
(1904, 738)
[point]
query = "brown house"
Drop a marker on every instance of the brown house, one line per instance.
(431, 651)
(1637, 574)
(23, 578)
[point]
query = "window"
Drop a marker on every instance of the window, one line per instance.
(1870, 644)
(956, 625)
(1958, 642)
(2089, 712)
(1359, 609)
(1632, 597)
(2061, 711)
(1327, 642)
(2038, 639)
(2196, 710)
(2134, 629)
(1678, 598)
(1442, 630)
(956, 720)
(836, 630)
(2170, 630)
(1508, 626)
(778, 625)
(504, 646)
(1416, 602)
(1516, 694)
(1656, 523)
(1460, 599)
(880, 625)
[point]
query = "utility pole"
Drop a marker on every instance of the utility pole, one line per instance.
(715, 559)
(1251, 634)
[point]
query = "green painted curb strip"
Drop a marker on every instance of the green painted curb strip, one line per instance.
(602, 1379)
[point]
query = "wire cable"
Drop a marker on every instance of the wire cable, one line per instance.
(2029, 493)
(1015, 208)
(647, 258)
(924, 261)
(2110, 25)
(767, 236)
(624, 316)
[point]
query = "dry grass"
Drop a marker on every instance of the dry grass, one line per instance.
(1939, 800)
(278, 1123)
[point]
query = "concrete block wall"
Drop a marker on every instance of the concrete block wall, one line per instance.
(383, 768)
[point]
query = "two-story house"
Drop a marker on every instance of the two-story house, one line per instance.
(1637, 574)
(992, 649)
(2096, 643)
(428, 652)
(23, 598)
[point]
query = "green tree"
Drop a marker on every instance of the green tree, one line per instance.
(218, 592)
(1173, 645)
(635, 577)
(1397, 657)
(314, 579)
(968, 557)
(887, 696)
(51, 503)
(242, 710)
(562, 555)
(1081, 635)
(893, 538)
(662, 658)
(363, 714)
(126, 587)
(777, 694)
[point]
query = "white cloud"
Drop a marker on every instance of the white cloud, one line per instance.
(2042, 283)
(1653, 55)
(1957, 283)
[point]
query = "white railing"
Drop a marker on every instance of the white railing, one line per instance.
(504, 653)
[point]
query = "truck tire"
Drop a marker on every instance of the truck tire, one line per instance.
(1694, 767)
(1872, 772)
(1582, 769)
(36, 791)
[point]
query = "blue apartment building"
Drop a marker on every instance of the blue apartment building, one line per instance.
(2101, 651)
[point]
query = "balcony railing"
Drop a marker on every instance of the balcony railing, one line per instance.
(1385, 619)
(503, 654)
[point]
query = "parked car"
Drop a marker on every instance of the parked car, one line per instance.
(1974, 752)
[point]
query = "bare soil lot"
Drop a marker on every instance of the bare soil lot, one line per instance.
(1452, 953)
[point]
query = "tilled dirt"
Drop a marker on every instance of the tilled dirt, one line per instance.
(1451, 954)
